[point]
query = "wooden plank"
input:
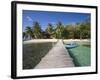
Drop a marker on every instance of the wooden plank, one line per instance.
(57, 57)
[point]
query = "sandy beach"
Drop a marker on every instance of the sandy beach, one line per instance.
(54, 40)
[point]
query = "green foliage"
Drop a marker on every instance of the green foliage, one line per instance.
(29, 32)
(84, 30)
(37, 30)
(77, 31)
(25, 35)
(50, 30)
(59, 30)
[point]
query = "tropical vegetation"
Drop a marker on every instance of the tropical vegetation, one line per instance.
(79, 30)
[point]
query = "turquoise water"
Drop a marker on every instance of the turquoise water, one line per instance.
(81, 55)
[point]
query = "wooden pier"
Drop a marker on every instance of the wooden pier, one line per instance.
(57, 57)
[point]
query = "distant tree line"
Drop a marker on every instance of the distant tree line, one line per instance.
(72, 31)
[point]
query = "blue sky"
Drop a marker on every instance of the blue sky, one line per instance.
(44, 17)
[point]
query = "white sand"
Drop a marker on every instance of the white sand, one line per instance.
(40, 41)
(54, 40)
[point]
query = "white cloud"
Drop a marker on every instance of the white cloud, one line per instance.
(29, 18)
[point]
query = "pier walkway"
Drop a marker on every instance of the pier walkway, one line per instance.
(57, 57)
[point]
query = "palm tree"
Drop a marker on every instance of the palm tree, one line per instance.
(29, 32)
(49, 29)
(59, 30)
(37, 30)
(25, 36)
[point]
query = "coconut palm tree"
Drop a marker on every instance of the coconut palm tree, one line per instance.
(29, 32)
(25, 36)
(59, 30)
(37, 30)
(49, 29)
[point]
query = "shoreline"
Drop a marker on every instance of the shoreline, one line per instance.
(53, 40)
